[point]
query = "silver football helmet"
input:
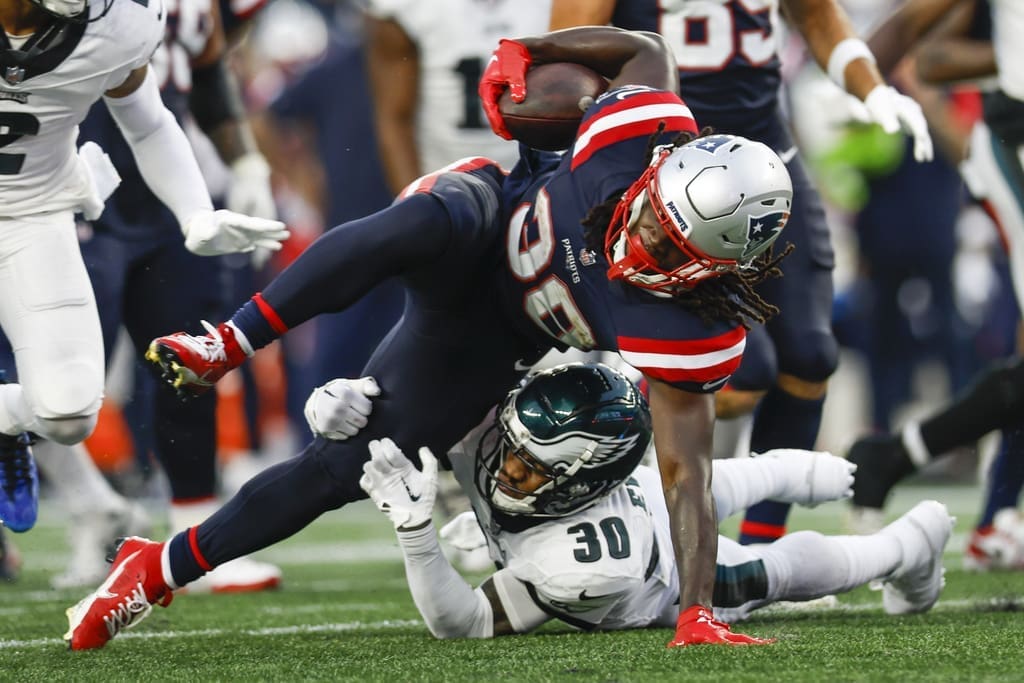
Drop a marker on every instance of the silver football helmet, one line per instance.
(722, 200)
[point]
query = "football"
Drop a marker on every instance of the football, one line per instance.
(557, 94)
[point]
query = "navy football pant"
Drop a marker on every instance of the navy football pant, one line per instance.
(150, 289)
(800, 336)
(450, 359)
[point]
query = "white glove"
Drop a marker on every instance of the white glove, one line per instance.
(399, 490)
(250, 192)
(463, 532)
(212, 233)
(894, 112)
(102, 179)
(339, 409)
(814, 477)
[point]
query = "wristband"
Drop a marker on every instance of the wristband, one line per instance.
(843, 53)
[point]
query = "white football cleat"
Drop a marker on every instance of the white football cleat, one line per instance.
(1000, 546)
(241, 575)
(813, 477)
(922, 534)
(93, 537)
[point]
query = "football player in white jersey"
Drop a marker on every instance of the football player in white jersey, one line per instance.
(425, 61)
(984, 43)
(59, 57)
(581, 533)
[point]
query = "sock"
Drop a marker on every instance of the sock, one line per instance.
(913, 444)
(190, 513)
(258, 323)
(181, 560)
(77, 480)
(806, 565)
(782, 421)
(739, 483)
(15, 415)
(994, 401)
(1006, 476)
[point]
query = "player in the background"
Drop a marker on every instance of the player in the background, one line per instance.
(581, 533)
(966, 40)
(61, 57)
(145, 280)
(622, 243)
(425, 61)
(335, 125)
(729, 76)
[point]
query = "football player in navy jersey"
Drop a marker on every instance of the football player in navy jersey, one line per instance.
(638, 239)
(729, 76)
(144, 278)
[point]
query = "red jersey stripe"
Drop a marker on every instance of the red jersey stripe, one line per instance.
(683, 346)
(426, 183)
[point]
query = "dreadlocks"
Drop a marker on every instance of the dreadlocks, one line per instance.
(728, 297)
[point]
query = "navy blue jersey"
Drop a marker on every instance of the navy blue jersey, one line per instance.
(563, 286)
(133, 212)
(726, 49)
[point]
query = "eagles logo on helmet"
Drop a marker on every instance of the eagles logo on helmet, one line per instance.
(585, 424)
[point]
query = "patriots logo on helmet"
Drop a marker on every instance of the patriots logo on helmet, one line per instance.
(762, 229)
(712, 142)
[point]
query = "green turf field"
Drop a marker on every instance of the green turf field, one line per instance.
(344, 614)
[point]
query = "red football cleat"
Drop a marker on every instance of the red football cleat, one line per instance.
(125, 598)
(193, 364)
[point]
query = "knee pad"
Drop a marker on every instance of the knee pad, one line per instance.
(66, 390)
(67, 431)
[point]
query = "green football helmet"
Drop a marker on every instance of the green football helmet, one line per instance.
(584, 425)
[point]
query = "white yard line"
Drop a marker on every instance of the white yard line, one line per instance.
(995, 604)
(207, 632)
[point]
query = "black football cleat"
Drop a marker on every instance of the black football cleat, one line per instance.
(881, 463)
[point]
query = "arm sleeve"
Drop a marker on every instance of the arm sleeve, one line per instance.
(161, 150)
(450, 607)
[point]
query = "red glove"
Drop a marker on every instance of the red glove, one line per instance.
(507, 69)
(697, 626)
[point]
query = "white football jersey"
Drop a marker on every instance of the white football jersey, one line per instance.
(455, 40)
(40, 111)
(1008, 43)
(610, 566)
